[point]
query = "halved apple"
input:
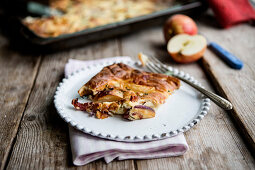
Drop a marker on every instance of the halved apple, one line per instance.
(185, 48)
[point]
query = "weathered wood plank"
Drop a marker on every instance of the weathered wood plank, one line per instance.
(214, 143)
(42, 141)
(236, 85)
(17, 74)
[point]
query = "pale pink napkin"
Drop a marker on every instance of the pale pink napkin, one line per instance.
(86, 148)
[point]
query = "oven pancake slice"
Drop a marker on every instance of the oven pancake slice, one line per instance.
(120, 89)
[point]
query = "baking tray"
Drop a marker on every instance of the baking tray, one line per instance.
(110, 30)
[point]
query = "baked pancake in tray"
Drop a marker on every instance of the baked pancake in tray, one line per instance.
(120, 89)
(79, 15)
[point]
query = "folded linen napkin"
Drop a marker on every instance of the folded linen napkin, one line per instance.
(229, 12)
(86, 148)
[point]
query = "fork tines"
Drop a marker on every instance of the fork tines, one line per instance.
(154, 65)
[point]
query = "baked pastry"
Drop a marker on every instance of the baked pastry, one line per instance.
(83, 14)
(120, 89)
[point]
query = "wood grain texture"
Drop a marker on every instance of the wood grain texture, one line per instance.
(214, 143)
(17, 74)
(236, 85)
(42, 141)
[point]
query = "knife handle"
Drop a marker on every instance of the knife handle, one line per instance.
(229, 58)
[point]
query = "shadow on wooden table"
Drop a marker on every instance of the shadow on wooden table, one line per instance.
(59, 135)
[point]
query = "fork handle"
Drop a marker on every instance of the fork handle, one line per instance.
(223, 103)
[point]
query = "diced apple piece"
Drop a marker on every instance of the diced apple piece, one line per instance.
(117, 108)
(109, 96)
(140, 88)
(101, 115)
(140, 112)
(83, 91)
(185, 48)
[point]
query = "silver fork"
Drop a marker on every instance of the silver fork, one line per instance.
(154, 65)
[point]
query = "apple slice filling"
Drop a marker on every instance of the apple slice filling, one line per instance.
(140, 112)
(120, 89)
(133, 105)
(105, 109)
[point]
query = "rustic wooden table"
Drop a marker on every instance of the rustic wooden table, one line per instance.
(33, 136)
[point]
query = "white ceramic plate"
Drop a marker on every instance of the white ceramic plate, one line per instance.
(181, 111)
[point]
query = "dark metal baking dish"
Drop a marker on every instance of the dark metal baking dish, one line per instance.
(109, 30)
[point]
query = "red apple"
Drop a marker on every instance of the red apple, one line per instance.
(179, 24)
(184, 48)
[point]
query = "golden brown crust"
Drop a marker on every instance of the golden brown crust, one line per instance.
(126, 77)
(124, 90)
(83, 14)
